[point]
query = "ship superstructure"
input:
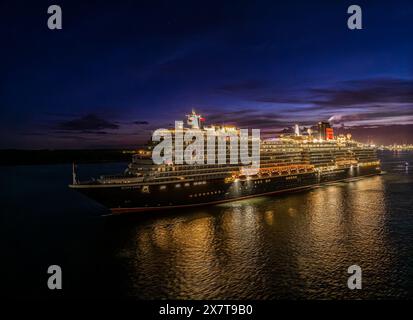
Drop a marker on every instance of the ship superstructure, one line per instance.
(288, 163)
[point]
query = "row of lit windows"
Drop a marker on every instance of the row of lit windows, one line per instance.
(279, 173)
(206, 193)
(187, 184)
(262, 181)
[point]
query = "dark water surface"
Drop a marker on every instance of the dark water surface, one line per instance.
(293, 246)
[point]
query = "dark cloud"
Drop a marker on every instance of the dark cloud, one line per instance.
(141, 122)
(346, 94)
(373, 113)
(367, 91)
(242, 87)
(278, 99)
(95, 132)
(90, 123)
(218, 115)
(247, 118)
(375, 100)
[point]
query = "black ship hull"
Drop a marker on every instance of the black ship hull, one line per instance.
(155, 196)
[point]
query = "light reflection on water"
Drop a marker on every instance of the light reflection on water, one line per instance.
(290, 246)
(293, 246)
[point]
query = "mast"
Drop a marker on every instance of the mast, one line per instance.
(74, 175)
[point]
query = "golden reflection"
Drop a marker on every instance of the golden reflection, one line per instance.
(324, 207)
(344, 218)
(369, 208)
(160, 236)
(190, 251)
(292, 212)
(204, 247)
(269, 217)
(328, 228)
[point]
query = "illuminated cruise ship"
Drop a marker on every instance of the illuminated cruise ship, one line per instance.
(289, 163)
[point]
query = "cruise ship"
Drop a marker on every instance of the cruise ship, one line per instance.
(291, 162)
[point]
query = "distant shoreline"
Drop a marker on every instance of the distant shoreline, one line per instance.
(40, 157)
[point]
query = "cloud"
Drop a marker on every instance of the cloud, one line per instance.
(376, 114)
(346, 94)
(90, 123)
(242, 87)
(366, 91)
(141, 122)
(247, 118)
(355, 102)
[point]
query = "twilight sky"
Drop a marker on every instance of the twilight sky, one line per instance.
(118, 71)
